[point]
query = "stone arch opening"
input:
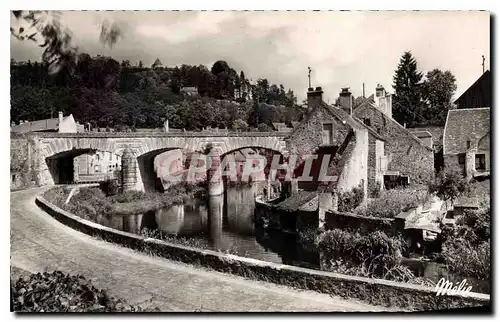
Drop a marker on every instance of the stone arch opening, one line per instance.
(157, 166)
(83, 166)
(250, 156)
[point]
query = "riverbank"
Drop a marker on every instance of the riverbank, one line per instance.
(372, 291)
(90, 203)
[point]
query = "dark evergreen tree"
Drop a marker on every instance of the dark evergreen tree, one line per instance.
(407, 91)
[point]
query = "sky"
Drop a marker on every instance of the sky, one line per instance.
(344, 49)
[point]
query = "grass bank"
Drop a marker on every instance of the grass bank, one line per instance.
(91, 203)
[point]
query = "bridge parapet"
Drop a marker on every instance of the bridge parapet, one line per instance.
(147, 135)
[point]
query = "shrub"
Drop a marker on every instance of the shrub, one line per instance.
(465, 259)
(393, 202)
(374, 189)
(128, 196)
(57, 292)
(350, 200)
(449, 184)
(373, 254)
(110, 187)
(479, 222)
(263, 127)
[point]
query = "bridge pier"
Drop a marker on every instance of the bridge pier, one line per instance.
(214, 174)
(129, 169)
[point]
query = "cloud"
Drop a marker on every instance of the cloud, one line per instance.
(343, 48)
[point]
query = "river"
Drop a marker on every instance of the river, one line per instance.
(224, 223)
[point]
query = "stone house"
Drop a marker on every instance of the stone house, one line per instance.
(408, 157)
(466, 141)
(60, 124)
(96, 166)
(281, 127)
(356, 152)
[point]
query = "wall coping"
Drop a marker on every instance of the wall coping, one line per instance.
(120, 235)
(353, 215)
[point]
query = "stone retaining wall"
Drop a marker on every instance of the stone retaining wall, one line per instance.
(350, 221)
(373, 291)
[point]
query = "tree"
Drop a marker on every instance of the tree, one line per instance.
(59, 52)
(437, 92)
(449, 185)
(407, 90)
(240, 125)
(263, 127)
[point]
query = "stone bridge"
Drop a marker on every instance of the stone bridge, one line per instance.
(50, 147)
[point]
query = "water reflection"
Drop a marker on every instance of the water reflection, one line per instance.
(222, 223)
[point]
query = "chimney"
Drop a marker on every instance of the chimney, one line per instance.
(383, 100)
(60, 117)
(314, 98)
(345, 100)
(379, 91)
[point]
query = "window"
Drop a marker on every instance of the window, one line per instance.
(461, 158)
(480, 162)
(327, 133)
(468, 144)
(110, 156)
(367, 122)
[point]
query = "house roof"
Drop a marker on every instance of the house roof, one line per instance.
(485, 77)
(157, 63)
(297, 200)
(462, 125)
(295, 124)
(422, 134)
(435, 131)
(354, 122)
(36, 126)
(278, 125)
(189, 89)
(371, 104)
(360, 101)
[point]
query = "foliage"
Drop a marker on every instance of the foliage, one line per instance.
(467, 259)
(393, 202)
(407, 90)
(110, 187)
(263, 127)
(437, 92)
(449, 184)
(92, 203)
(374, 253)
(374, 189)
(350, 200)
(421, 102)
(240, 125)
(102, 92)
(59, 292)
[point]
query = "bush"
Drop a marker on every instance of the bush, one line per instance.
(466, 259)
(57, 292)
(350, 200)
(449, 184)
(110, 187)
(374, 189)
(393, 202)
(374, 254)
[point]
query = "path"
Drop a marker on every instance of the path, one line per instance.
(40, 243)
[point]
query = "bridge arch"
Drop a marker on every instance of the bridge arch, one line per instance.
(53, 146)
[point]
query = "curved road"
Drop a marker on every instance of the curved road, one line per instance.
(40, 243)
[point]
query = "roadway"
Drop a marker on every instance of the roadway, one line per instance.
(40, 243)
